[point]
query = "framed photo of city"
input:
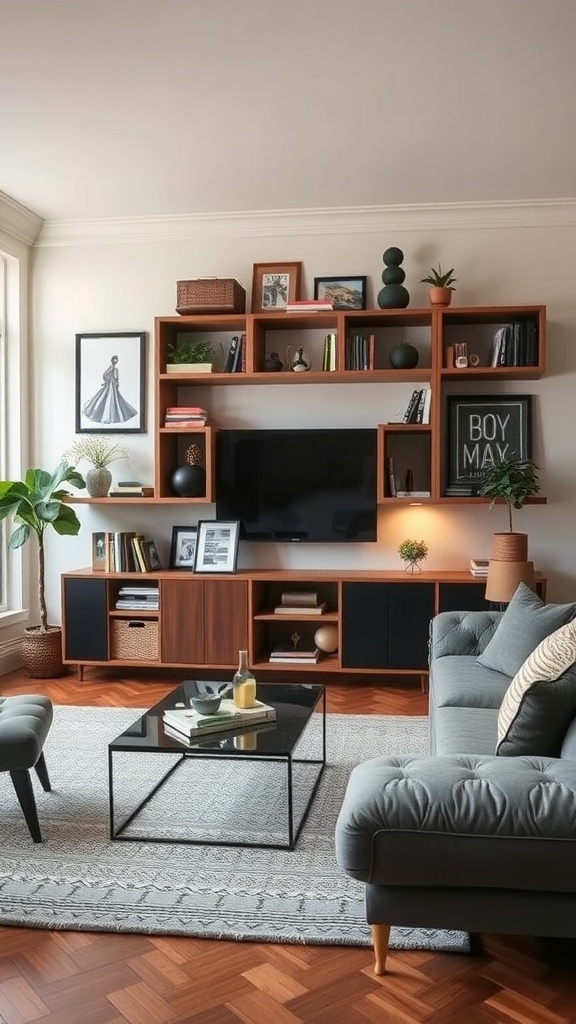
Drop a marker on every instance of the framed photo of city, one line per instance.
(482, 430)
(343, 292)
(111, 383)
(217, 546)
(275, 284)
(183, 547)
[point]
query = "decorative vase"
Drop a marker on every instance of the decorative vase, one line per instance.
(273, 363)
(189, 481)
(440, 296)
(243, 683)
(98, 482)
(326, 639)
(42, 652)
(413, 567)
(393, 295)
(404, 356)
(509, 547)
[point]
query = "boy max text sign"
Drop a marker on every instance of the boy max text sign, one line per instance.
(483, 430)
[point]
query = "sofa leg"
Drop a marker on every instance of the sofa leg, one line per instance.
(380, 939)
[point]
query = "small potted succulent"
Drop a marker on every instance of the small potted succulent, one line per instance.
(441, 286)
(413, 552)
(99, 453)
(510, 481)
(189, 355)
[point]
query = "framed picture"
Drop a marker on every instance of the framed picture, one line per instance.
(275, 284)
(343, 292)
(217, 547)
(483, 429)
(183, 547)
(111, 383)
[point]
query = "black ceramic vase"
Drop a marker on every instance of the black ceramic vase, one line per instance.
(189, 481)
(393, 295)
(404, 356)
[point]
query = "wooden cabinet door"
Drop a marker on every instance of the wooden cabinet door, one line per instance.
(385, 625)
(226, 621)
(182, 629)
(85, 619)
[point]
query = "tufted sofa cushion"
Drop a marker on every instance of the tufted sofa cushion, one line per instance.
(524, 624)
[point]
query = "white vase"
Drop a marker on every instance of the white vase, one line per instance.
(98, 482)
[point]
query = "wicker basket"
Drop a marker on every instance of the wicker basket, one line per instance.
(135, 640)
(210, 295)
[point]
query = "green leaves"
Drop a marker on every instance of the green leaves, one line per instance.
(440, 279)
(37, 502)
(511, 480)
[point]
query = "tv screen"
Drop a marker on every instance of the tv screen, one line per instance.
(298, 485)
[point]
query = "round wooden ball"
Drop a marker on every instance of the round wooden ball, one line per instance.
(326, 639)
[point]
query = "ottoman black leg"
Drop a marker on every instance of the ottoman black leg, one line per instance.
(25, 793)
(42, 773)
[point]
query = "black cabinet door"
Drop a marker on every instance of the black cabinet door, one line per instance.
(385, 625)
(86, 620)
(467, 597)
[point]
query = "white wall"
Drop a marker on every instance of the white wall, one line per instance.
(119, 276)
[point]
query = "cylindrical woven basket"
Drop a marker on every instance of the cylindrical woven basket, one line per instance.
(210, 295)
(510, 547)
(135, 640)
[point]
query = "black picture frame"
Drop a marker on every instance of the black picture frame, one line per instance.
(217, 546)
(345, 292)
(111, 383)
(183, 547)
(483, 429)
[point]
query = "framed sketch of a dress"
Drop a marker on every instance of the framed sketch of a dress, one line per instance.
(111, 383)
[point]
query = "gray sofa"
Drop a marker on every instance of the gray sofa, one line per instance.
(463, 838)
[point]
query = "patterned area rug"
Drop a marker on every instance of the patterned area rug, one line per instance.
(79, 879)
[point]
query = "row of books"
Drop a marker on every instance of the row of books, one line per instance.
(185, 416)
(360, 352)
(123, 551)
(236, 357)
(418, 408)
(136, 598)
(516, 344)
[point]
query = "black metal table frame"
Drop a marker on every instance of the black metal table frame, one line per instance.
(118, 832)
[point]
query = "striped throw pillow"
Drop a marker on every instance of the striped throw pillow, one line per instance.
(547, 663)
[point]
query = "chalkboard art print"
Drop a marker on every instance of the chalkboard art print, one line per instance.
(483, 430)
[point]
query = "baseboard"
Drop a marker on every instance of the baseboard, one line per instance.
(10, 656)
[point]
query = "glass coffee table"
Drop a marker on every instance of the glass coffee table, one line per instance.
(269, 771)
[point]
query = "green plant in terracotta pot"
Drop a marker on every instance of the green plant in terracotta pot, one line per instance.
(510, 481)
(413, 552)
(99, 452)
(441, 285)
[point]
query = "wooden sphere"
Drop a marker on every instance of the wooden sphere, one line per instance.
(326, 639)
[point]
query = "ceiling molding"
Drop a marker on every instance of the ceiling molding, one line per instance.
(321, 221)
(17, 221)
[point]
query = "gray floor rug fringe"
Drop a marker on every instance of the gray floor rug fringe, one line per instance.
(78, 879)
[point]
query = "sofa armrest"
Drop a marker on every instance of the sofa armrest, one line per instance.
(461, 633)
(407, 804)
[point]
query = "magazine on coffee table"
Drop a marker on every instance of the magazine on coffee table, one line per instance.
(228, 716)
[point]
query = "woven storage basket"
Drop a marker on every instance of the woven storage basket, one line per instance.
(210, 295)
(135, 640)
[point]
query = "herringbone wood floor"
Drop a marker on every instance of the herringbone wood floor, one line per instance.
(90, 978)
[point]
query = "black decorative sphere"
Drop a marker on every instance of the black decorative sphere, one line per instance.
(393, 255)
(393, 296)
(189, 481)
(393, 275)
(404, 356)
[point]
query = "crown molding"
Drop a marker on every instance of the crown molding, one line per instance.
(18, 221)
(320, 221)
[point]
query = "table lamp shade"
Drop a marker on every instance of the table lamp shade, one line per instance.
(503, 579)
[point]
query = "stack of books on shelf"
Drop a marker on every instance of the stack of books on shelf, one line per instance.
(309, 306)
(418, 408)
(329, 354)
(131, 489)
(236, 358)
(288, 654)
(515, 344)
(185, 416)
(187, 722)
(123, 552)
(300, 602)
(135, 598)
(360, 352)
(479, 567)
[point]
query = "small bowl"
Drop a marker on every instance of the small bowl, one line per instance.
(206, 703)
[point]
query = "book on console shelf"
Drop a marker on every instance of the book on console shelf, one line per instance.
(228, 716)
(479, 566)
(309, 306)
(300, 609)
(287, 654)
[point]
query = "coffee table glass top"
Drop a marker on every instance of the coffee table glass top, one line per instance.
(294, 703)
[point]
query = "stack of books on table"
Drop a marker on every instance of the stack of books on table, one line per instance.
(138, 598)
(479, 566)
(131, 489)
(288, 654)
(309, 306)
(190, 723)
(300, 602)
(185, 416)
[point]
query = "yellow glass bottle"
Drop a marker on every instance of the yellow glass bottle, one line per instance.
(244, 684)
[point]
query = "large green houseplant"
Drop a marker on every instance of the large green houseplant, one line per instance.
(511, 481)
(35, 504)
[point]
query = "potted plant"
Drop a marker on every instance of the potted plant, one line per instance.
(511, 481)
(441, 282)
(189, 355)
(99, 453)
(34, 504)
(413, 552)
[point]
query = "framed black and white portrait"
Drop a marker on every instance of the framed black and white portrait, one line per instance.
(183, 547)
(111, 383)
(217, 546)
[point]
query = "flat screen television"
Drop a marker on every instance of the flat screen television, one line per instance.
(313, 485)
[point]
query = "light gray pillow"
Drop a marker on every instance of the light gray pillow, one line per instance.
(524, 624)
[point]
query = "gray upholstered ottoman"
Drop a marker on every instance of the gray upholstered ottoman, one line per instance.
(24, 725)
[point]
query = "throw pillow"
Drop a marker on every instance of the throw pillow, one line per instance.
(540, 702)
(526, 621)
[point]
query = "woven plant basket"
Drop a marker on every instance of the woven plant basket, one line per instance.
(42, 652)
(510, 547)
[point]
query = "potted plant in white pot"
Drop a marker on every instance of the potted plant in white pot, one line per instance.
(511, 481)
(99, 452)
(34, 504)
(189, 355)
(441, 286)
